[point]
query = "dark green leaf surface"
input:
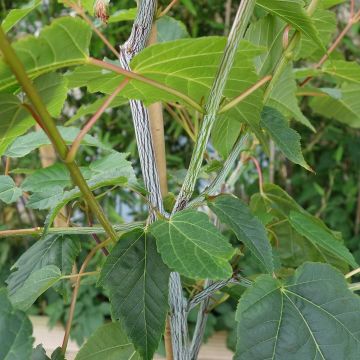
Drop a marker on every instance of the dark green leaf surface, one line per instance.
(193, 246)
(312, 316)
(287, 139)
(16, 330)
(109, 342)
(248, 229)
(322, 239)
(9, 192)
(138, 283)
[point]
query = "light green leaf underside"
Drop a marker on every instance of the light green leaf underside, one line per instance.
(35, 285)
(109, 342)
(345, 110)
(309, 227)
(64, 43)
(55, 250)
(292, 12)
(169, 29)
(247, 228)
(283, 98)
(111, 170)
(194, 247)
(137, 280)
(16, 120)
(313, 316)
(15, 330)
(187, 65)
(16, 15)
(23, 145)
(287, 139)
(9, 192)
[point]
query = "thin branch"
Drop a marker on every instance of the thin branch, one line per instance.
(352, 273)
(78, 9)
(76, 291)
(168, 8)
(258, 169)
(7, 165)
(232, 103)
(37, 231)
(77, 142)
(156, 84)
(75, 276)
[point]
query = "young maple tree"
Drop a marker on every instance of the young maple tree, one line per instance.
(233, 93)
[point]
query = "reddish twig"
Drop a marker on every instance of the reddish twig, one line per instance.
(77, 142)
(259, 171)
(168, 8)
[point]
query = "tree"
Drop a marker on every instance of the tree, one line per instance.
(297, 304)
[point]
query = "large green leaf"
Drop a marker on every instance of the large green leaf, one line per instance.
(16, 15)
(16, 120)
(312, 316)
(194, 247)
(23, 145)
(36, 284)
(322, 239)
(39, 353)
(248, 229)
(187, 65)
(9, 192)
(283, 98)
(292, 12)
(348, 71)
(287, 139)
(57, 250)
(109, 342)
(62, 44)
(15, 329)
(346, 109)
(137, 280)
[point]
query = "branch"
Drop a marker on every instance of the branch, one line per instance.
(212, 106)
(168, 8)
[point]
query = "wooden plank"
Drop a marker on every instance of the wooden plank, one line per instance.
(214, 349)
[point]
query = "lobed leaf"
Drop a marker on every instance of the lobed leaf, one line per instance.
(9, 192)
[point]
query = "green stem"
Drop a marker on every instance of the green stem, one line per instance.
(19, 71)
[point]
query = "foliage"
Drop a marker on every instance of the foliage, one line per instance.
(270, 242)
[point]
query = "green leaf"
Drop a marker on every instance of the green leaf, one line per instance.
(62, 44)
(194, 247)
(44, 179)
(312, 316)
(109, 342)
(9, 192)
(325, 22)
(56, 250)
(247, 228)
(283, 98)
(292, 12)
(111, 170)
(90, 109)
(169, 29)
(15, 330)
(123, 15)
(171, 64)
(39, 353)
(137, 280)
(45, 199)
(16, 15)
(16, 120)
(287, 139)
(348, 71)
(267, 32)
(345, 110)
(23, 145)
(35, 285)
(322, 239)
